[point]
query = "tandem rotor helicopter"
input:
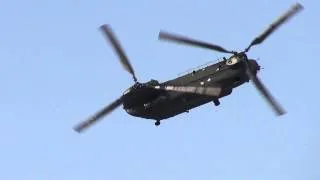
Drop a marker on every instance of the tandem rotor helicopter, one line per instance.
(158, 101)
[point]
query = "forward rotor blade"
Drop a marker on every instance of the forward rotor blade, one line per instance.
(97, 116)
(109, 35)
(265, 93)
(209, 91)
(294, 9)
(188, 41)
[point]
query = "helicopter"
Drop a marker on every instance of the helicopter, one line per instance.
(157, 101)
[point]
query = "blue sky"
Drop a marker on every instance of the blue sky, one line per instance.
(56, 69)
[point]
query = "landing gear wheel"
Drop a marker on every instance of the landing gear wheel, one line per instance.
(157, 123)
(216, 102)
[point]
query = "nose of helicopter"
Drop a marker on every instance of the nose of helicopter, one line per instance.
(254, 65)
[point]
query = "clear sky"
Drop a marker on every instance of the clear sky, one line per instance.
(56, 70)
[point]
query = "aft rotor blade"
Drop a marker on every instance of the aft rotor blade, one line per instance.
(188, 41)
(209, 91)
(265, 93)
(97, 116)
(109, 35)
(281, 20)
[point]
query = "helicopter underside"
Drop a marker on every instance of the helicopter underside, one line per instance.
(164, 107)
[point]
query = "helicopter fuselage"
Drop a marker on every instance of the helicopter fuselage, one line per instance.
(141, 101)
(158, 101)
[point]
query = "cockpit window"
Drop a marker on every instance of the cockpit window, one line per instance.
(233, 60)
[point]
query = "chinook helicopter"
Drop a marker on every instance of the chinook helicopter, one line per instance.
(158, 101)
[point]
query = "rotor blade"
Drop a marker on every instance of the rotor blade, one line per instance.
(265, 93)
(209, 91)
(185, 40)
(294, 9)
(97, 116)
(108, 33)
